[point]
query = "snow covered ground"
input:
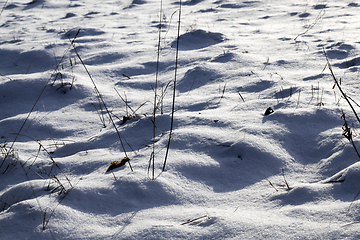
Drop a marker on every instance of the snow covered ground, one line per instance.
(232, 172)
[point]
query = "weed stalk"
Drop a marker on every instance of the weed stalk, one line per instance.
(152, 157)
(339, 87)
(174, 89)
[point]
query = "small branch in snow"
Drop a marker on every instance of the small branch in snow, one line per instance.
(272, 185)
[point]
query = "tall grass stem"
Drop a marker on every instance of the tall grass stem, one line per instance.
(174, 89)
(152, 157)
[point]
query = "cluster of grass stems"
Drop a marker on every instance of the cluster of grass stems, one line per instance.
(10, 159)
(155, 108)
(63, 187)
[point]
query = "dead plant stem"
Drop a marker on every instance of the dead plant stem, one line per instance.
(152, 157)
(102, 100)
(174, 89)
(339, 87)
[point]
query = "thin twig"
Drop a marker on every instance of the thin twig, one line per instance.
(286, 183)
(152, 156)
(317, 19)
(222, 93)
(53, 210)
(353, 201)
(272, 185)
(241, 97)
(339, 87)
(349, 224)
(353, 101)
(3, 7)
(174, 90)
(127, 105)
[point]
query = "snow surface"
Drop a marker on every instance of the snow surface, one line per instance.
(231, 172)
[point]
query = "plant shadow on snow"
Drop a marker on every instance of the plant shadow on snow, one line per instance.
(32, 130)
(108, 139)
(302, 194)
(201, 106)
(134, 3)
(194, 78)
(191, 2)
(244, 4)
(11, 104)
(348, 63)
(11, 6)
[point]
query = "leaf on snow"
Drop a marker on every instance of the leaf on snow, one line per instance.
(269, 111)
(116, 164)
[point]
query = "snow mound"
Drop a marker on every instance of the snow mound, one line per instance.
(198, 39)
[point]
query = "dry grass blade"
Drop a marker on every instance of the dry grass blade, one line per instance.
(241, 97)
(339, 87)
(317, 19)
(129, 116)
(174, 89)
(272, 185)
(286, 183)
(152, 156)
(349, 224)
(353, 201)
(3, 7)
